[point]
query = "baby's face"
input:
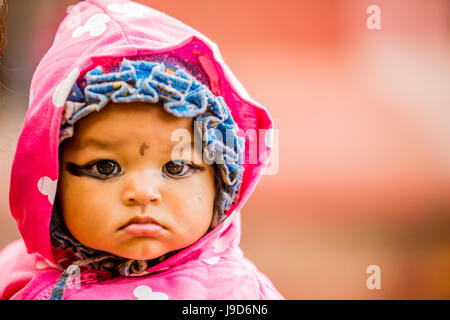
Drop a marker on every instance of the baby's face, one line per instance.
(120, 191)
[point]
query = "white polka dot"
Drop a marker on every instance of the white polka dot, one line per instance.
(47, 187)
(146, 293)
(220, 245)
(63, 89)
(41, 265)
(129, 10)
(213, 260)
(95, 26)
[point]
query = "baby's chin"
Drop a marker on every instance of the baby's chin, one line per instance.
(139, 248)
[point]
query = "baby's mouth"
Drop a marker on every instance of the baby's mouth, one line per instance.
(143, 227)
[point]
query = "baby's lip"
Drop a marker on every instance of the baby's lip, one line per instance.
(141, 220)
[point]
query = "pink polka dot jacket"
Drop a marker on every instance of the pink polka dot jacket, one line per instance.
(104, 39)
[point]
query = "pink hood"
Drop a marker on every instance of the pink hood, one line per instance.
(92, 31)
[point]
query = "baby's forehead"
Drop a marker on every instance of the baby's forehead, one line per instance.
(108, 143)
(133, 119)
(119, 125)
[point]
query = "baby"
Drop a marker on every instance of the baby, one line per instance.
(133, 164)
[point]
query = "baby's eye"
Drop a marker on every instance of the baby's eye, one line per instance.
(101, 169)
(179, 168)
(174, 167)
(107, 167)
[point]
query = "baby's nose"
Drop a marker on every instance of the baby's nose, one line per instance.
(142, 190)
(142, 197)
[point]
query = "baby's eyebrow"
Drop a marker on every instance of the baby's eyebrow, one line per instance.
(169, 147)
(98, 143)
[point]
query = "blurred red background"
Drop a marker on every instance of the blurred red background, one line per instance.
(364, 135)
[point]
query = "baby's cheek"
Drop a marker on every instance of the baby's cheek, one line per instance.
(191, 207)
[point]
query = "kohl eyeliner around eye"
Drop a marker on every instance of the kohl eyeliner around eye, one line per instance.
(82, 171)
(74, 169)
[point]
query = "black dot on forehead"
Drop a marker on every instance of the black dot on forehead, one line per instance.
(142, 148)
